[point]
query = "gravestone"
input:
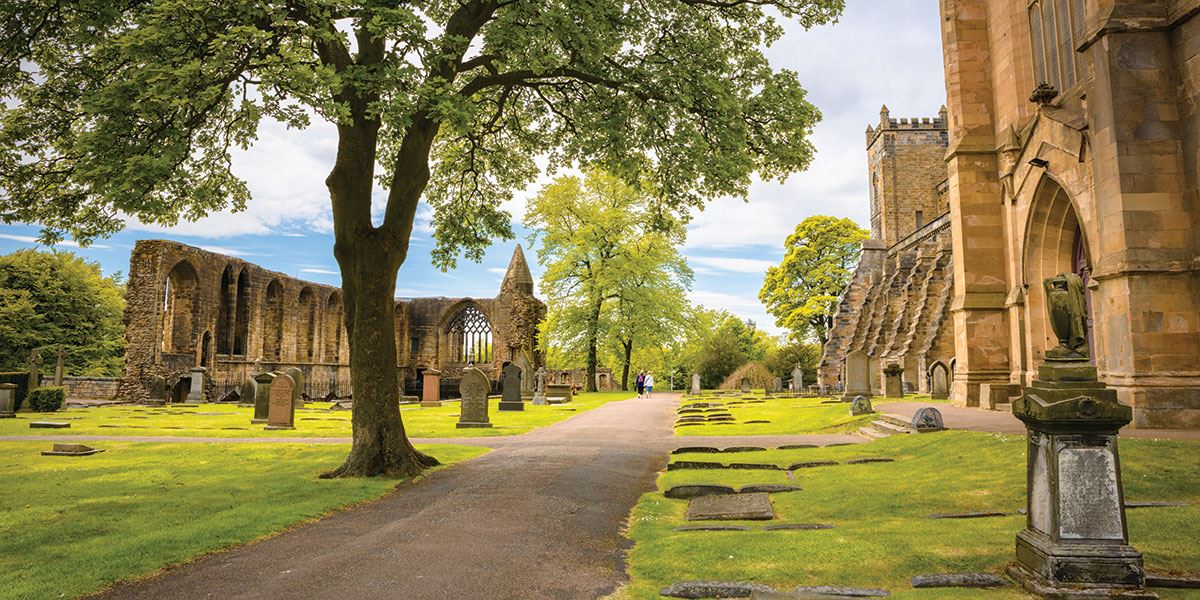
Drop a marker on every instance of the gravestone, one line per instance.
(558, 393)
(526, 382)
(8, 400)
(431, 388)
(35, 370)
(59, 356)
(247, 393)
(196, 391)
(695, 383)
(474, 390)
(745, 385)
(539, 388)
(281, 406)
(297, 385)
(939, 381)
(857, 372)
(510, 391)
(860, 406)
(893, 383)
(928, 418)
(262, 396)
(778, 384)
(731, 507)
(157, 389)
(1075, 530)
(797, 379)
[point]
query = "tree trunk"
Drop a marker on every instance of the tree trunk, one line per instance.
(628, 345)
(593, 333)
(381, 446)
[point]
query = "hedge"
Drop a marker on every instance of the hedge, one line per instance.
(21, 378)
(47, 398)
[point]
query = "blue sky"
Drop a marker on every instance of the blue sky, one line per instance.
(882, 52)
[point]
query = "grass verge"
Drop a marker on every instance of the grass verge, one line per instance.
(72, 525)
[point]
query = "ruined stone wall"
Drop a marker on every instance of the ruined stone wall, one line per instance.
(90, 388)
(187, 307)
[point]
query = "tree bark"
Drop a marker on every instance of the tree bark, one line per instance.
(628, 346)
(593, 334)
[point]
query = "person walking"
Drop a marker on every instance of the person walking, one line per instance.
(648, 382)
(640, 383)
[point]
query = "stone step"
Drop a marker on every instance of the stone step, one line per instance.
(1006, 407)
(871, 433)
(897, 420)
(888, 428)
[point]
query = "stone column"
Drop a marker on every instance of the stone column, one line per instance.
(980, 316)
(894, 384)
(196, 392)
(431, 388)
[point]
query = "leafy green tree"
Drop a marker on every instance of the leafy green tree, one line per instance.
(609, 270)
(781, 360)
(802, 292)
(117, 110)
(51, 299)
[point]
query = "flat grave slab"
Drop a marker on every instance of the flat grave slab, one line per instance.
(712, 589)
(48, 425)
(768, 488)
(71, 450)
(959, 580)
(975, 514)
(735, 507)
(689, 491)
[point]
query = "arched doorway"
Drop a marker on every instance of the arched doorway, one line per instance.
(1054, 244)
(180, 301)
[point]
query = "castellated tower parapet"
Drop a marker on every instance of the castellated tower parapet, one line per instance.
(906, 167)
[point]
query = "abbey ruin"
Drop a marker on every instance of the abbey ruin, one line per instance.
(189, 308)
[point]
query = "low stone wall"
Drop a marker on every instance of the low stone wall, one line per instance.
(91, 388)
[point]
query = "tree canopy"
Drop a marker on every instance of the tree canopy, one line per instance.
(52, 299)
(802, 292)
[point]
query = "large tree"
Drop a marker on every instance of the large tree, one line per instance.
(605, 248)
(53, 299)
(802, 292)
(120, 110)
(651, 302)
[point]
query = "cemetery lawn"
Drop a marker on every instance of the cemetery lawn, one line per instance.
(315, 420)
(71, 525)
(883, 535)
(787, 416)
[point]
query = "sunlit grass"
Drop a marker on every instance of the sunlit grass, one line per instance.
(315, 420)
(883, 535)
(71, 525)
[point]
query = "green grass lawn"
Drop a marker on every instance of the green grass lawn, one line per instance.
(71, 525)
(787, 416)
(315, 420)
(883, 535)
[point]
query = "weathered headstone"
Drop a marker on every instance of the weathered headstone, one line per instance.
(35, 369)
(695, 383)
(196, 391)
(157, 389)
(59, 356)
(893, 382)
(281, 407)
(939, 381)
(928, 418)
(526, 382)
(860, 406)
(857, 373)
(246, 393)
(297, 385)
(474, 390)
(1075, 532)
(778, 384)
(797, 379)
(431, 388)
(539, 388)
(8, 400)
(510, 391)
(745, 385)
(262, 396)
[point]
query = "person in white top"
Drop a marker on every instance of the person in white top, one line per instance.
(649, 383)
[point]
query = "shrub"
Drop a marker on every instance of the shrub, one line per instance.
(47, 399)
(760, 378)
(21, 378)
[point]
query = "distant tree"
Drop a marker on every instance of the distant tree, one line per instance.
(132, 109)
(604, 248)
(782, 359)
(48, 299)
(651, 303)
(802, 292)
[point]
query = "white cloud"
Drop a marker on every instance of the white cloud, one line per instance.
(29, 239)
(320, 271)
(226, 250)
(744, 306)
(498, 271)
(752, 266)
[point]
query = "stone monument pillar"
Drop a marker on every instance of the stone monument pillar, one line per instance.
(778, 384)
(196, 392)
(431, 388)
(1075, 535)
(797, 379)
(59, 356)
(262, 396)
(695, 384)
(539, 388)
(893, 385)
(35, 370)
(8, 400)
(474, 390)
(510, 395)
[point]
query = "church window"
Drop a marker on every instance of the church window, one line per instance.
(1055, 31)
(471, 333)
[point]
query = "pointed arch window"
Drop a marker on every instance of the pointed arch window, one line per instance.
(472, 336)
(1055, 31)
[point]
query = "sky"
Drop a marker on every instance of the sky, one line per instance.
(881, 52)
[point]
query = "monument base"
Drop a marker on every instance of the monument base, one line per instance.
(430, 403)
(1089, 564)
(462, 425)
(850, 396)
(1044, 588)
(277, 428)
(540, 400)
(257, 421)
(513, 406)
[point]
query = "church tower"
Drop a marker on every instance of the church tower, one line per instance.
(906, 161)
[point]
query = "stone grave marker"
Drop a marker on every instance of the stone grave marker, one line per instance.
(510, 394)
(731, 507)
(59, 356)
(262, 396)
(939, 381)
(860, 406)
(778, 384)
(797, 379)
(893, 386)
(246, 394)
(281, 407)
(297, 385)
(196, 390)
(71, 450)
(35, 369)
(928, 418)
(431, 388)
(8, 400)
(539, 387)
(695, 383)
(474, 390)
(745, 385)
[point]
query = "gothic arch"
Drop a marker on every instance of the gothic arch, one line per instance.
(1055, 243)
(939, 380)
(272, 321)
(241, 322)
(306, 327)
(334, 329)
(468, 334)
(226, 305)
(180, 305)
